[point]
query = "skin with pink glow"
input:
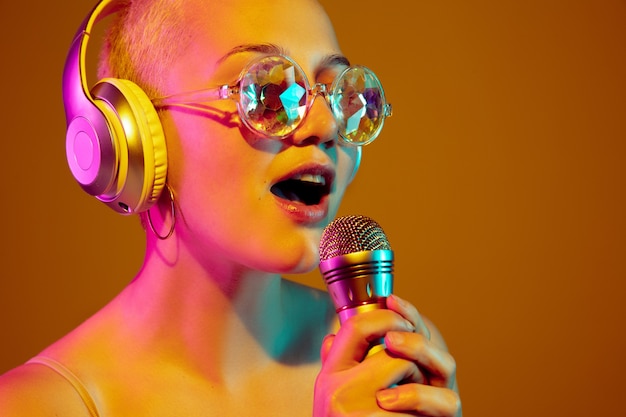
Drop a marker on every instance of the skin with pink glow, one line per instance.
(208, 327)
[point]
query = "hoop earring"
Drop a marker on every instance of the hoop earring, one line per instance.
(173, 214)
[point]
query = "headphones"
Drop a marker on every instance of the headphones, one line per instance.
(115, 145)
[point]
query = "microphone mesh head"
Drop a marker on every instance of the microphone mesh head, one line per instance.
(351, 234)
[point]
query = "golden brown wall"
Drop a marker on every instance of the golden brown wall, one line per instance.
(499, 180)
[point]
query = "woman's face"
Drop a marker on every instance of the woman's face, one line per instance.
(239, 194)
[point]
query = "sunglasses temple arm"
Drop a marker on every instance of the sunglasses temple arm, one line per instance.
(197, 96)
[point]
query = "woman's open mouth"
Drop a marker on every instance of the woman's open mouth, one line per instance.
(304, 194)
(307, 189)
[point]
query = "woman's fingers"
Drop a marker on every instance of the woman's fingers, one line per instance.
(327, 344)
(409, 312)
(352, 342)
(413, 374)
(425, 346)
(438, 364)
(421, 399)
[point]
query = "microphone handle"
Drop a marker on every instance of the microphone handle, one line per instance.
(358, 282)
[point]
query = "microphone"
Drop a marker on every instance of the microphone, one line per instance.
(356, 262)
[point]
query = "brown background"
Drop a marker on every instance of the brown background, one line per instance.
(499, 181)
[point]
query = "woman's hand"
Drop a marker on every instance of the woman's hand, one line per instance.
(414, 375)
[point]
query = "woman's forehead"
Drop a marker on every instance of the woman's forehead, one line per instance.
(298, 26)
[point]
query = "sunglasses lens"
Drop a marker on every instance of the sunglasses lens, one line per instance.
(273, 96)
(358, 102)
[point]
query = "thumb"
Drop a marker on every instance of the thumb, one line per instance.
(327, 344)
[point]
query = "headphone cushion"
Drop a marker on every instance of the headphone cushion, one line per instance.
(146, 170)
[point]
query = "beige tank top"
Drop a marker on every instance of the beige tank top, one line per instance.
(71, 378)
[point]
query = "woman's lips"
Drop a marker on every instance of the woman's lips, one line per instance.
(305, 213)
(304, 193)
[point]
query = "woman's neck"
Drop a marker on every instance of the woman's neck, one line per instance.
(228, 316)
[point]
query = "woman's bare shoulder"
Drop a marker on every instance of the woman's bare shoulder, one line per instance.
(35, 390)
(42, 387)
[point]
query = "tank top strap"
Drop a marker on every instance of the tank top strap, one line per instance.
(71, 378)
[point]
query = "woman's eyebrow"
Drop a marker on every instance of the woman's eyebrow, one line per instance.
(331, 61)
(264, 48)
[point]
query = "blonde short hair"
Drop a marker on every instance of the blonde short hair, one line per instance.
(144, 39)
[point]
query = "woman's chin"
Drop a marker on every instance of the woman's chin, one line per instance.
(301, 263)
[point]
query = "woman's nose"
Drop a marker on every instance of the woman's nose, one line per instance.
(318, 127)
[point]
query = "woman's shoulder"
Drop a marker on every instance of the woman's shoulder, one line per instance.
(35, 390)
(51, 383)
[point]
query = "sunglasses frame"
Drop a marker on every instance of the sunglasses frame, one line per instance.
(197, 99)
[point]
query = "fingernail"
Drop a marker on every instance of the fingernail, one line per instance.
(395, 338)
(410, 326)
(393, 297)
(399, 300)
(387, 396)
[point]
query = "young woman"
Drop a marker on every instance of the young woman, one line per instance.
(254, 171)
